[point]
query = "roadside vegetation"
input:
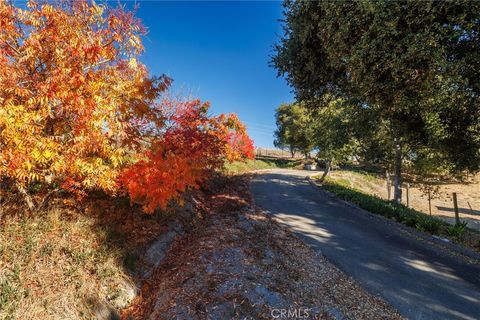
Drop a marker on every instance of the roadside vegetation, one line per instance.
(396, 87)
(439, 203)
(396, 211)
(95, 154)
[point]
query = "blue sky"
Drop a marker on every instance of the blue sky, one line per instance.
(219, 51)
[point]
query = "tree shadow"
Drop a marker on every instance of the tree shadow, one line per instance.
(460, 210)
(420, 280)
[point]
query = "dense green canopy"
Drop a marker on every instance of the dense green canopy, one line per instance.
(415, 64)
(294, 129)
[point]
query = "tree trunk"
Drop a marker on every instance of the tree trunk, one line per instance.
(28, 199)
(32, 206)
(292, 152)
(397, 179)
(327, 170)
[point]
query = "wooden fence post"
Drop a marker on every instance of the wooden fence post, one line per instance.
(408, 194)
(455, 208)
(429, 202)
(388, 185)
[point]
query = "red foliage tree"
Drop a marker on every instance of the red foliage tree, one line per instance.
(71, 92)
(239, 144)
(192, 146)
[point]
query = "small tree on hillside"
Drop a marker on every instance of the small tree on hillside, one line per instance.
(294, 128)
(334, 135)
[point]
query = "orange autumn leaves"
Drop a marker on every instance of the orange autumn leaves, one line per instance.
(69, 90)
(191, 148)
(78, 109)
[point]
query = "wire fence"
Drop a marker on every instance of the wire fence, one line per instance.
(452, 203)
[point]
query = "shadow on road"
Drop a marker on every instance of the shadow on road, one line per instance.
(421, 281)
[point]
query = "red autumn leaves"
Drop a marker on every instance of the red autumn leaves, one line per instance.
(192, 147)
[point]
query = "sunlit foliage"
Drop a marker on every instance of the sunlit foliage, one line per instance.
(79, 111)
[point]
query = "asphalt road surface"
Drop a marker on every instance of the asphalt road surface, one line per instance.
(418, 278)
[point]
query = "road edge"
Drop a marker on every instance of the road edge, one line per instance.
(472, 257)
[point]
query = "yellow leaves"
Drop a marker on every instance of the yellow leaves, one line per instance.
(135, 42)
(33, 176)
(36, 155)
(47, 9)
(28, 165)
(31, 4)
(69, 96)
(41, 154)
(18, 91)
(47, 154)
(98, 162)
(16, 120)
(97, 9)
(118, 158)
(58, 165)
(132, 63)
(95, 173)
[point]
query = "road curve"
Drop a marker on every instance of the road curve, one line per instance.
(420, 280)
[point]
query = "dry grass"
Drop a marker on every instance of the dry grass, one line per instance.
(261, 163)
(53, 267)
(69, 263)
(441, 204)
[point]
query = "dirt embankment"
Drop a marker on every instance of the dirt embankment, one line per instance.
(237, 263)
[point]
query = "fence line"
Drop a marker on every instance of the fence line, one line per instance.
(450, 205)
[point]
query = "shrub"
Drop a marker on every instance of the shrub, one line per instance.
(409, 220)
(457, 231)
(80, 111)
(73, 119)
(192, 147)
(385, 208)
(428, 224)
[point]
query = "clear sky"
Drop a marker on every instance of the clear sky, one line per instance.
(220, 52)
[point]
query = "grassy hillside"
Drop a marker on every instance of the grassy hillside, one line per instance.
(71, 261)
(262, 163)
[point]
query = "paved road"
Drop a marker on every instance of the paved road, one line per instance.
(414, 277)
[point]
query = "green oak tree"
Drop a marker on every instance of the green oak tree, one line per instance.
(415, 64)
(294, 128)
(335, 137)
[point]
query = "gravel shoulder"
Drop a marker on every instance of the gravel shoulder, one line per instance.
(238, 263)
